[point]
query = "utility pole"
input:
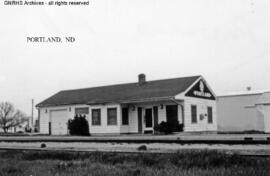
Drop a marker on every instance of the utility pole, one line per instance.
(32, 114)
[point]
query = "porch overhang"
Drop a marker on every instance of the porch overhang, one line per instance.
(137, 101)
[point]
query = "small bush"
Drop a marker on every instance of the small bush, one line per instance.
(35, 129)
(169, 127)
(78, 126)
(28, 130)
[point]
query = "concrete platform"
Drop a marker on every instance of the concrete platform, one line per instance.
(181, 138)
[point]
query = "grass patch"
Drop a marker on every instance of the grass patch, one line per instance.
(187, 163)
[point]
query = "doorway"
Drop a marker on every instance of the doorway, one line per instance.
(172, 113)
(148, 117)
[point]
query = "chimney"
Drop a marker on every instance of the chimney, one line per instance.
(248, 88)
(142, 79)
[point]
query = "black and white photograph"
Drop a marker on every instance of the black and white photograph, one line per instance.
(134, 87)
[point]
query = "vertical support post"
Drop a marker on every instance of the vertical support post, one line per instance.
(32, 114)
(139, 119)
(50, 128)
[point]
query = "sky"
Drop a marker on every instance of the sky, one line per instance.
(228, 42)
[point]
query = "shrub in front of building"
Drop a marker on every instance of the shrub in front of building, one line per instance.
(169, 127)
(78, 126)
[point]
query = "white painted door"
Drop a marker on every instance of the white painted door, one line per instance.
(267, 118)
(59, 122)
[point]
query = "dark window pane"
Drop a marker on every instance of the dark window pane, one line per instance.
(124, 116)
(193, 114)
(96, 118)
(210, 114)
(172, 113)
(112, 116)
(81, 110)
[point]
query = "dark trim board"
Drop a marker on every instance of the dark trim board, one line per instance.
(50, 128)
(140, 120)
(155, 109)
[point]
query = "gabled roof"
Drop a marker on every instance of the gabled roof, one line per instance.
(120, 93)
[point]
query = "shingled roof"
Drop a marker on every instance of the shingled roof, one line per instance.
(121, 93)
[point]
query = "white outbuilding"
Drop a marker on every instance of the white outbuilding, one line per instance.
(244, 111)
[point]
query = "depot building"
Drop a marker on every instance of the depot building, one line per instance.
(134, 107)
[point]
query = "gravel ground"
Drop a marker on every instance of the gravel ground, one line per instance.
(131, 147)
(127, 147)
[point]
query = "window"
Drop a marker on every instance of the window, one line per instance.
(124, 116)
(82, 111)
(210, 114)
(96, 119)
(193, 114)
(112, 116)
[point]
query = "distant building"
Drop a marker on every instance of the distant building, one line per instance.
(21, 128)
(133, 107)
(244, 111)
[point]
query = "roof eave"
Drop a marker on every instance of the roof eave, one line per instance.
(56, 104)
(143, 100)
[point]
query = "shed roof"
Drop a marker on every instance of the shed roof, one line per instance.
(242, 93)
(264, 98)
(121, 93)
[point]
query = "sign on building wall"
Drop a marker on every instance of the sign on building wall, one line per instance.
(200, 90)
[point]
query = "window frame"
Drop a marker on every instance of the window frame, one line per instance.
(99, 110)
(210, 107)
(191, 112)
(108, 109)
(126, 120)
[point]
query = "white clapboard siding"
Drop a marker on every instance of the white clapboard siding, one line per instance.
(267, 118)
(45, 116)
(201, 125)
(44, 121)
(104, 127)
